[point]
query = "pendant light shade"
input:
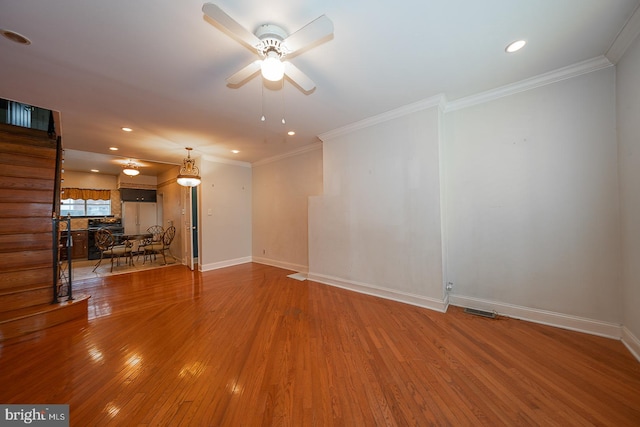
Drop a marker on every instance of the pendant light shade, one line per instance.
(130, 169)
(189, 175)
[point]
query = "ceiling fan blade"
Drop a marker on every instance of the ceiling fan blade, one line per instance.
(244, 74)
(298, 77)
(220, 16)
(315, 30)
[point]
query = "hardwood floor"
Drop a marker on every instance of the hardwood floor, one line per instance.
(247, 346)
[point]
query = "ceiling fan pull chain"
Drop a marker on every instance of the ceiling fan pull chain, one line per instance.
(283, 109)
(262, 118)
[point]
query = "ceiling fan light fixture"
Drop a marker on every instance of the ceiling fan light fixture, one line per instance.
(272, 67)
(189, 175)
(130, 169)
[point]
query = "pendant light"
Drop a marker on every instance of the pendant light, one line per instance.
(130, 169)
(189, 175)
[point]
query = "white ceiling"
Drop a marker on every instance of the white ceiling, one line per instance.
(159, 66)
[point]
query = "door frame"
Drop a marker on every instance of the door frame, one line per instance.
(190, 239)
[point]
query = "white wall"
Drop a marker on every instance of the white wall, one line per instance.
(628, 112)
(281, 189)
(532, 190)
(377, 227)
(225, 214)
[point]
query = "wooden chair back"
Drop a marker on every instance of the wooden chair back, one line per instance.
(104, 239)
(168, 236)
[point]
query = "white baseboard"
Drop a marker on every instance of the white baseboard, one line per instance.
(631, 342)
(281, 264)
(226, 263)
(559, 320)
(390, 294)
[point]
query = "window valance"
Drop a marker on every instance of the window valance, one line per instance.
(86, 194)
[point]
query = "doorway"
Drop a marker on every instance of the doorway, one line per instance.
(194, 222)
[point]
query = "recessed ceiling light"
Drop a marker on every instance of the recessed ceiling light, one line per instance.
(113, 148)
(127, 129)
(235, 151)
(95, 170)
(515, 46)
(291, 133)
(15, 37)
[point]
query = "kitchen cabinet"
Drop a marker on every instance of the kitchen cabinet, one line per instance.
(79, 250)
(138, 195)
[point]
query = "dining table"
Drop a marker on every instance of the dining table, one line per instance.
(133, 239)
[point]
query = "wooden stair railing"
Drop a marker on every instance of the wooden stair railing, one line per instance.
(27, 267)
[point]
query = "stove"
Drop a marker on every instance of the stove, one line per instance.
(113, 224)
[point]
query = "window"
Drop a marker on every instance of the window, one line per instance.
(81, 207)
(18, 114)
(85, 202)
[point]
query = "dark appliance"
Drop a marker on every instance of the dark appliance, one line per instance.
(113, 224)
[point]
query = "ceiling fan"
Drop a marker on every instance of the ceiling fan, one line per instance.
(272, 44)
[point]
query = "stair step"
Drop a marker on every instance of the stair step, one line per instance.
(21, 260)
(31, 276)
(25, 296)
(24, 241)
(31, 319)
(26, 287)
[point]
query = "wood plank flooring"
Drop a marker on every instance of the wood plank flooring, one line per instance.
(247, 346)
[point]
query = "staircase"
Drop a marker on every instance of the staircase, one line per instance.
(28, 187)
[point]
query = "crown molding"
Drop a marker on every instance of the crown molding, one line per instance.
(301, 150)
(434, 101)
(555, 76)
(625, 37)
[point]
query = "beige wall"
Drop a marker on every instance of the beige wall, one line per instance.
(138, 181)
(628, 109)
(89, 180)
(377, 226)
(281, 190)
(533, 207)
(171, 196)
(225, 213)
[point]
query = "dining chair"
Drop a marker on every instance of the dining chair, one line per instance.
(108, 246)
(156, 232)
(162, 246)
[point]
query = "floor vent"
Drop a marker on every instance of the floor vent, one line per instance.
(482, 313)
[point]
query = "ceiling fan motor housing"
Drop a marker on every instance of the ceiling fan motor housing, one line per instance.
(271, 37)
